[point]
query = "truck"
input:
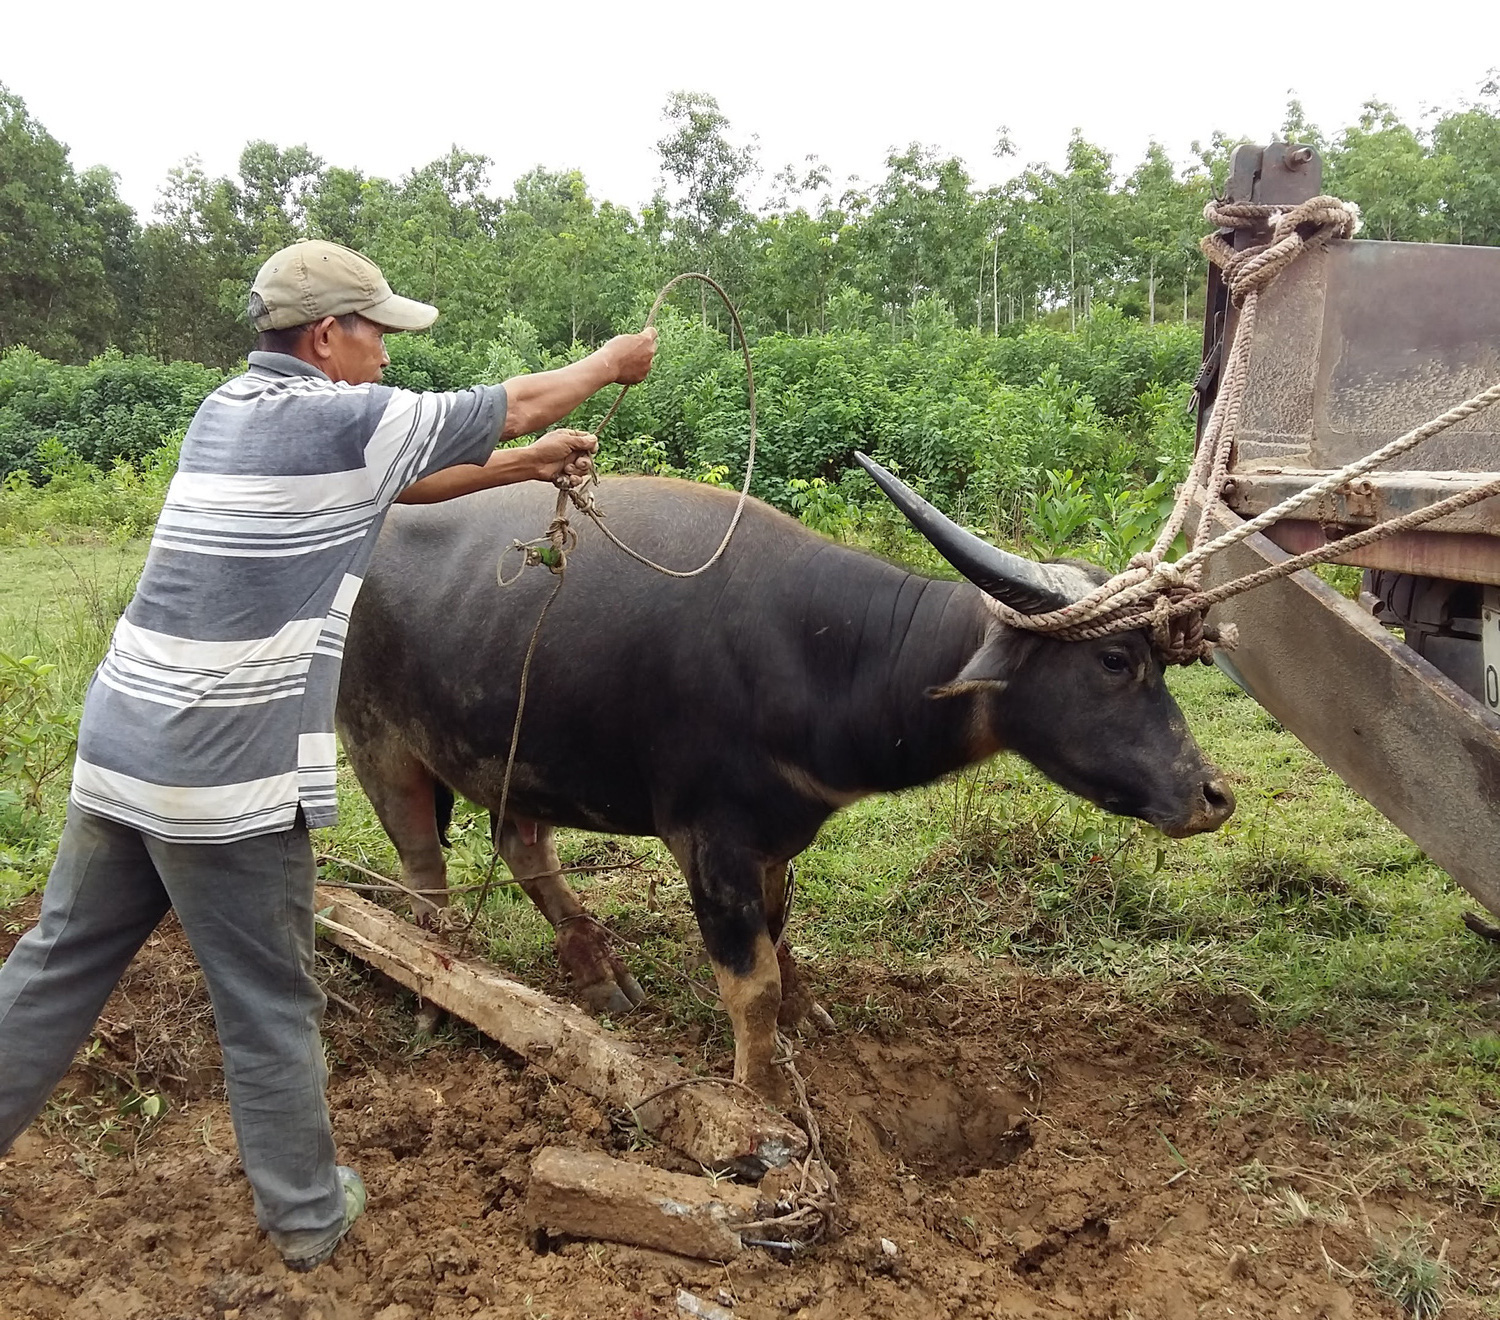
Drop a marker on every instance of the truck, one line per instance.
(1398, 692)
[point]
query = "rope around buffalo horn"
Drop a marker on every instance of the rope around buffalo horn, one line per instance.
(1167, 597)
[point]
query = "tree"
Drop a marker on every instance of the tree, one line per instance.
(197, 263)
(797, 265)
(1382, 164)
(1296, 127)
(574, 267)
(709, 216)
(333, 207)
(433, 236)
(1083, 215)
(275, 190)
(119, 249)
(923, 235)
(64, 244)
(1164, 217)
(1466, 151)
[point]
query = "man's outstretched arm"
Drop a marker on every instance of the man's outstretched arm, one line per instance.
(533, 402)
(544, 397)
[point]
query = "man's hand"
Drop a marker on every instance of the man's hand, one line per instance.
(565, 453)
(630, 356)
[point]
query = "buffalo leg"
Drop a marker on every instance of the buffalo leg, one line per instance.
(401, 789)
(727, 887)
(798, 1007)
(604, 982)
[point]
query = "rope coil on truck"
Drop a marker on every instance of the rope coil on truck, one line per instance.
(1167, 597)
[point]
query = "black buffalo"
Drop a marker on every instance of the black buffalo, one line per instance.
(729, 714)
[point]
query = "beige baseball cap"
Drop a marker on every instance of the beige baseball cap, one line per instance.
(315, 278)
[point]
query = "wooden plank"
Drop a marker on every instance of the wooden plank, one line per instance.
(1400, 733)
(581, 1193)
(721, 1127)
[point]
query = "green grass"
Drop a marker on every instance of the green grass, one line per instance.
(1405, 1273)
(1307, 910)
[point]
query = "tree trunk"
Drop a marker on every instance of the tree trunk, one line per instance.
(1151, 294)
(979, 294)
(995, 287)
(1072, 277)
(713, 1126)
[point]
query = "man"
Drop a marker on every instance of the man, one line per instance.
(206, 746)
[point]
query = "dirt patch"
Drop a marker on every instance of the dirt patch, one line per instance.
(1027, 1149)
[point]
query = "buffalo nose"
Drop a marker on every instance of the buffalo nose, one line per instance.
(1218, 798)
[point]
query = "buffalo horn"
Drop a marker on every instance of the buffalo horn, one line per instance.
(1020, 583)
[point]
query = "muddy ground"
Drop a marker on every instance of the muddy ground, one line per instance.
(1030, 1149)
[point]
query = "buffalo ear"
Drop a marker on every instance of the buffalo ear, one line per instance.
(992, 667)
(966, 687)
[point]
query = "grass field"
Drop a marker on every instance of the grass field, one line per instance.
(1308, 912)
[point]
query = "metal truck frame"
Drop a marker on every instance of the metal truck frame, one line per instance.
(1355, 344)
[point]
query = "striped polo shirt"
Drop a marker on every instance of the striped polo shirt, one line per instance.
(210, 718)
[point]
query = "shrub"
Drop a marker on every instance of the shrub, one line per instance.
(76, 498)
(114, 408)
(1064, 441)
(36, 743)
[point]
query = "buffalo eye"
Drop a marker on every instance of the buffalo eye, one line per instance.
(1115, 662)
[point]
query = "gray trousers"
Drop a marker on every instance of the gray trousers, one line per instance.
(247, 908)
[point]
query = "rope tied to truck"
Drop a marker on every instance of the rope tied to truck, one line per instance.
(1167, 597)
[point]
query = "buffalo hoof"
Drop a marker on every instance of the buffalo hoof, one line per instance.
(803, 1014)
(799, 1010)
(613, 996)
(771, 1085)
(441, 919)
(428, 1017)
(605, 984)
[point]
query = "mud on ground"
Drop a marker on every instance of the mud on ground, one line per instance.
(1030, 1150)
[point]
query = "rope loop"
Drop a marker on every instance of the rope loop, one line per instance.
(1293, 230)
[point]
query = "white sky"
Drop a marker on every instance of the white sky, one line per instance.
(385, 87)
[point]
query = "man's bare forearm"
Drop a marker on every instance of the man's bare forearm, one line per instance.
(504, 467)
(536, 401)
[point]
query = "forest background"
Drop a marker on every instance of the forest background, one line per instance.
(993, 344)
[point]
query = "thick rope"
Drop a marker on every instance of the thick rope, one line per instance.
(1167, 597)
(551, 550)
(584, 501)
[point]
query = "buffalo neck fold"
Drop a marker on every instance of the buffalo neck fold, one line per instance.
(878, 639)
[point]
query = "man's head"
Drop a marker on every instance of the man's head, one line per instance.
(331, 307)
